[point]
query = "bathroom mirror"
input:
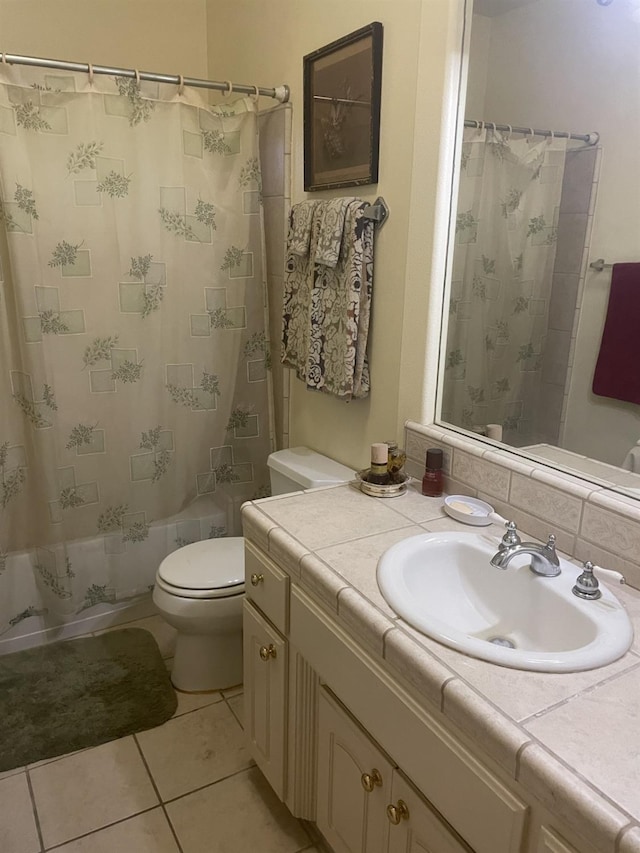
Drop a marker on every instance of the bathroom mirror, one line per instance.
(526, 298)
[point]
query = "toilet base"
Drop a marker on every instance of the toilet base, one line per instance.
(204, 663)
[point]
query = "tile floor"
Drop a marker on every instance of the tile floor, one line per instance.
(188, 786)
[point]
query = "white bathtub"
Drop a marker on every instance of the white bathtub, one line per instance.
(112, 578)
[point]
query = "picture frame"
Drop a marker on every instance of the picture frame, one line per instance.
(342, 85)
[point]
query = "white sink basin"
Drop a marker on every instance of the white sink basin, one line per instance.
(444, 585)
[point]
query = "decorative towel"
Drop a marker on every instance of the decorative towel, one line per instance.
(331, 230)
(300, 221)
(616, 374)
(327, 308)
(298, 283)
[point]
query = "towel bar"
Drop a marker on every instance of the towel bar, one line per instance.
(599, 264)
(378, 211)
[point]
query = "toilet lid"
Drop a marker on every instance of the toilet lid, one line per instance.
(211, 564)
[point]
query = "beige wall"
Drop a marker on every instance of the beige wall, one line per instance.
(251, 41)
(255, 41)
(581, 73)
(151, 35)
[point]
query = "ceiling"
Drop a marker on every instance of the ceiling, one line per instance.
(491, 8)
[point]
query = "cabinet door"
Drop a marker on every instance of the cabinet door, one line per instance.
(419, 829)
(265, 696)
(354, 783)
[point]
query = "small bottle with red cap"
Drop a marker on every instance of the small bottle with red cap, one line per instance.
(432, 481)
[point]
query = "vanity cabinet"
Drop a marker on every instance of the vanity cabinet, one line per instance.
(364, 803)
(549, 842)
(348, 746)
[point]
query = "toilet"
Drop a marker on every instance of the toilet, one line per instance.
(199, 588)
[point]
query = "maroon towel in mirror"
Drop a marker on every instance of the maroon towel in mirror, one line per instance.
(617, 372)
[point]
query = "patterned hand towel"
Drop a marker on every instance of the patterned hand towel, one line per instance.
(300, 220)
(340, 306)
(332, 229)
(298, 282)
(326, 308)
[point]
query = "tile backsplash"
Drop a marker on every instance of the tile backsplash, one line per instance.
(589, 521)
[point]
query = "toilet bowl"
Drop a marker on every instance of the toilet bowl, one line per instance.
(199, 588)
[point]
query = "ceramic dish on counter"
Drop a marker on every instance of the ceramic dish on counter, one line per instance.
(471, 511)
(393, 490)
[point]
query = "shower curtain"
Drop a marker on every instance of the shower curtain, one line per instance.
(505, 246)
(134, 355)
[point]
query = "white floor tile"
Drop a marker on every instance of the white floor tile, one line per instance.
(236, 815)
(192, 701)
(90, 790)
(54, 758)
(18, 832)
(236, 703)
(232, 691)
(146, 833)
(194, 750)
(6, 773)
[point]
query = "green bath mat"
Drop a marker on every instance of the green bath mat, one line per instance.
(78, 693)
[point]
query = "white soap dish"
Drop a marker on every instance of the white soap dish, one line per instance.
(471, 511)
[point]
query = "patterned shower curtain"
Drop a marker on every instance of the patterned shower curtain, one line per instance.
(506, 232)
(134, 360)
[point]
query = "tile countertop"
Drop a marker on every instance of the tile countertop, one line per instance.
(571, 739)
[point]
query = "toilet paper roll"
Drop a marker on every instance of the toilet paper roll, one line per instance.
(494, 431)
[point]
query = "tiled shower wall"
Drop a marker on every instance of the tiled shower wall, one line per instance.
(590, 522)
(579, 189)
(275, 157)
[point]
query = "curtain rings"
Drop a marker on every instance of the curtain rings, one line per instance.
(480, 127)
(509, 133)
(255, 94)
(530, 135)
(90, 73)
(494, 126)
(137, 74)
(181, 85)
(229, 88)
(551, 137)
(4, 58)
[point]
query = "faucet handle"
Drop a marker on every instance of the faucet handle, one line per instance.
(586, 586)
(551, 543)
(510, 537)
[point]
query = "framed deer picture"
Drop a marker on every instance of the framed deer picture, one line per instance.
(342, 111)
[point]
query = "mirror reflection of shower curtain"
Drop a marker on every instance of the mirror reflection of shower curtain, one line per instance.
(134, 366)
(506, 232)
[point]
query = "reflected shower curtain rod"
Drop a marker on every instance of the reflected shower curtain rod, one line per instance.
(280, 93)
(589, 138)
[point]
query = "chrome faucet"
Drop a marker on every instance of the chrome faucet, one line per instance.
(544, 560)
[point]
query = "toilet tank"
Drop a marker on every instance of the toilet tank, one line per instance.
(300, 468)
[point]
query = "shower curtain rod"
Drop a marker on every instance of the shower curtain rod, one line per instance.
(589, 138)
(280, 93)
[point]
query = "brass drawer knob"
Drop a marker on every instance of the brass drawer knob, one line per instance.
(398, 812)
(371, 780)
(256, 579)
(267, 652)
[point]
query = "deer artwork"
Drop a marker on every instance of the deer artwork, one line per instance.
(333, 127)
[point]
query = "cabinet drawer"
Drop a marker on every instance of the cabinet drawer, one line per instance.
(267, 587)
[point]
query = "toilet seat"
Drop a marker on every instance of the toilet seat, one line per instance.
(213, 568)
